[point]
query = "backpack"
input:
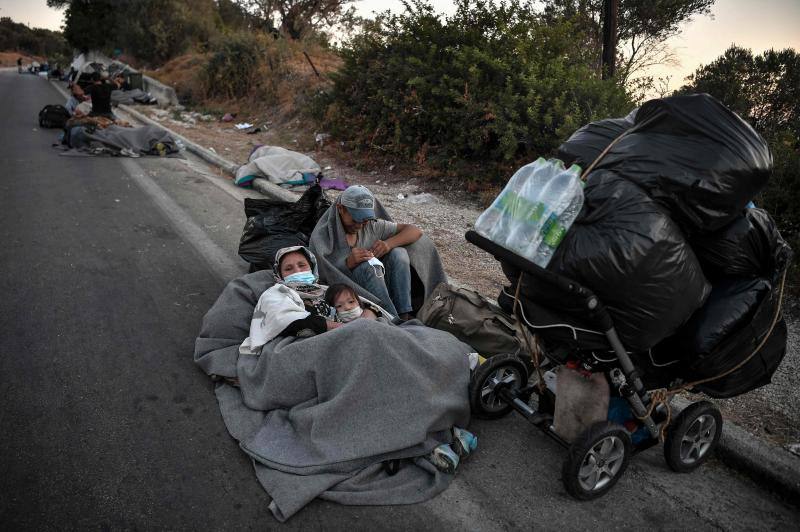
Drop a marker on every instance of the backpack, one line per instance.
(472, 319)
(53, 116)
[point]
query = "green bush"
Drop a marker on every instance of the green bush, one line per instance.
(232, 71)
(493, 82)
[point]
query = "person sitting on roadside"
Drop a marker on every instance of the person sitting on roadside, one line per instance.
(121, 83)
(346, 303)
(372, 252)
(100, 93)
(76, 98)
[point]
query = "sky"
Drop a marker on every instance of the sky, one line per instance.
(755, 24)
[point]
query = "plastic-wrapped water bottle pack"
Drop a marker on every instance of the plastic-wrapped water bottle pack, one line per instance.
(534, 211)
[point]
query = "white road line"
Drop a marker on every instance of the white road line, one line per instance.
(220, 263)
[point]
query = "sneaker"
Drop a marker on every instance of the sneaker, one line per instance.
(444, 459)
(464, 442)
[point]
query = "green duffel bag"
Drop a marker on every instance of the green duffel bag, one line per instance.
(472, 319)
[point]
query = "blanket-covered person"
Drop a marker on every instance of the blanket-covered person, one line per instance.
(295, 305)
(357, 243)
(322, 416)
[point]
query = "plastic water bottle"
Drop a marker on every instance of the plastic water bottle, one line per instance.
(531, 208)
(564, 195)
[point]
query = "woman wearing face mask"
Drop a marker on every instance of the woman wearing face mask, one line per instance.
(294, 305)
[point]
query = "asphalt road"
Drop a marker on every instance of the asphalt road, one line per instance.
(108, 266)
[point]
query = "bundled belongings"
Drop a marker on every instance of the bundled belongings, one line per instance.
(693, 156)
(634, 257)
(118, 140)
(663, 215)
(272, 225)
(53, 116)
(586, 144)
(472, 319)
(320, 416)
(276, 164)
(749, 246)
(132, 96)
(740, 331)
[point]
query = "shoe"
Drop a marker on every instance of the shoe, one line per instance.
(464, 442)
(444, 459)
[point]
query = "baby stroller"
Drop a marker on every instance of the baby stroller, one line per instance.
(599, 455)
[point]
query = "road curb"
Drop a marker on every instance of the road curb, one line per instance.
(271, 190)
(771, 466)
(768, 464)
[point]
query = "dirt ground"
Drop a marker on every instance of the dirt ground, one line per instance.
(445, 210)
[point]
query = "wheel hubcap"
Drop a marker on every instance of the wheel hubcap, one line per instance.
(602, 463)
(698, 439)
(504, 375)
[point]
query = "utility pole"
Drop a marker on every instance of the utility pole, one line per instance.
(610, 10)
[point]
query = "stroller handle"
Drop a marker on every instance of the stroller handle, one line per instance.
(594, 308)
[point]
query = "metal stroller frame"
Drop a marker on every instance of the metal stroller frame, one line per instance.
(598, 457)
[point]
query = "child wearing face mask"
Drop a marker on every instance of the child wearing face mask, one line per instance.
(347, 304)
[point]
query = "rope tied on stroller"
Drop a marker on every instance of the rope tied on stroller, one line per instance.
(530, 341)
(663, 395)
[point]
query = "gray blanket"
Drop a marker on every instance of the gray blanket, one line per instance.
(320, 415)
(133, 140)
(330, 246)
(131, 97)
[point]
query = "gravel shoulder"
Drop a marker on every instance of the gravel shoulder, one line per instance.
(445, 212)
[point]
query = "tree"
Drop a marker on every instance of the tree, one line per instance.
(643, 28)
(88, 24)
(152, 30)
(298, 18)
(491, 83)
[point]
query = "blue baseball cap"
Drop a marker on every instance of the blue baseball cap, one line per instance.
(359, 202)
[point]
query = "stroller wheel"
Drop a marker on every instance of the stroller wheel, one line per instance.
(692, 436)
(596, 460)
(497, 371)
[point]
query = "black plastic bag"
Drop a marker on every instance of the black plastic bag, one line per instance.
(695, 157)
(729, 308)
(750, 246)
(587, 143)
(757, 372)
(272, 225)
(626, 250)
(737, 319)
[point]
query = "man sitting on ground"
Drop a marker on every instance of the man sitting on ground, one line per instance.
(354, 244)
(100, 92)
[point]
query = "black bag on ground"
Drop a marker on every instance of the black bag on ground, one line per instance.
(587, 143)
(272, 225)
(750, 246)
(471, 318)
(695, 157)
(53, 116)
(626, 250)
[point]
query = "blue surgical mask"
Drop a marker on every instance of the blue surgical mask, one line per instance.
(300, 278)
